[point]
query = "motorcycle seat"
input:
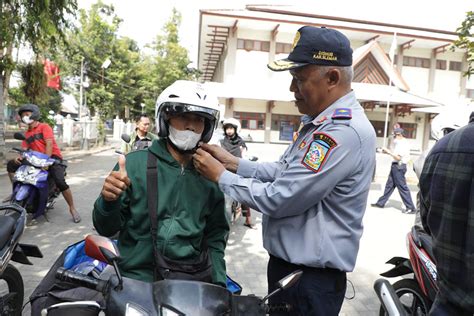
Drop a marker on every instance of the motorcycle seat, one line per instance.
(7, 224)
(426, 243)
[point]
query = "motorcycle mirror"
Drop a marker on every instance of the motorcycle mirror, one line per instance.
(290, 279)
(105, 250)
(125, 138)
(19, 136)
(101, 248)
(285, 283)
(389, 299)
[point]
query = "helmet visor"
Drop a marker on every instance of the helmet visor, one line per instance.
(181, 108)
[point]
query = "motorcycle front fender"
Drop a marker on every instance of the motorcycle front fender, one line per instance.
(402, 266)
(23, 192)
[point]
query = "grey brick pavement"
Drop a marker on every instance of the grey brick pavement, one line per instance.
(384, 235)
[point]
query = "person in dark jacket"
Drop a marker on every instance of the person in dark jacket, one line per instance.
(447, 213)
(235, 145)
(190, 209)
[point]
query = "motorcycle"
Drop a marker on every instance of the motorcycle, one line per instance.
(12, 225)
(416, 293)
(32, 188)
(125, 296)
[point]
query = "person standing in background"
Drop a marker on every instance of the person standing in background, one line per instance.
(398, 169)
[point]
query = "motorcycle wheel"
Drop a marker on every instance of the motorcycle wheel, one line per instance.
(412, 298)
(11, 299)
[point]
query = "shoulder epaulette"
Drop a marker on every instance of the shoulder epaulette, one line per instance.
(342, 114)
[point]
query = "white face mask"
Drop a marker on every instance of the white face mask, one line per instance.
(27, 120)
(184, 140)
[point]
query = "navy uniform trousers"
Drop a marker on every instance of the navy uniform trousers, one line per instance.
(319, 291)
(396, 179)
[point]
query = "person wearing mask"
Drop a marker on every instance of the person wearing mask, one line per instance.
(447, 214)
(313, 199)
(164, 212)
(141, 138)
(40, 137)
(235, 145)
(398, 169)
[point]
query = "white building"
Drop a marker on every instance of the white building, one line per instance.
(236, 45)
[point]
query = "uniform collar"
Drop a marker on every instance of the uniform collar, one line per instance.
(346, 101)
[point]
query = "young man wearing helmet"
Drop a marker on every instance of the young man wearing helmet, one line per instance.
(40, 137)
(235, 145)
(189, 216)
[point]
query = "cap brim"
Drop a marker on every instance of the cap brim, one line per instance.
(284, 64)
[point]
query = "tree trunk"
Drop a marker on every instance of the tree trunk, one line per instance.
(2, 125)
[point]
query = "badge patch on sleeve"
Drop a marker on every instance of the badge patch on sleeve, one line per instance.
(318, 151)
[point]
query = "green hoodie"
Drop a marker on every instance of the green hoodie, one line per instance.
(190, 208)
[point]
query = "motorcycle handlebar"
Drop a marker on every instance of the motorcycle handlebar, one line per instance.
(81, 280)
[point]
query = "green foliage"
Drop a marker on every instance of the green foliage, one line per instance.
(171, 62)
(34, 81)
(465, 41)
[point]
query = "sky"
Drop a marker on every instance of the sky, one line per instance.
(144, 19)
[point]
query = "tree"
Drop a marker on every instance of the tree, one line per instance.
(466, 34)
(171, 60)
(24, 22)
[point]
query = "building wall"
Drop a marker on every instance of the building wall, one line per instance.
(249, 68)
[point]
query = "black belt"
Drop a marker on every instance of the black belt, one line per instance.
(303, 267)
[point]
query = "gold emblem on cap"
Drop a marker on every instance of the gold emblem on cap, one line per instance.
(325, 55)
(296, 39)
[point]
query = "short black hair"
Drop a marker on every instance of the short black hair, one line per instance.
(139, 117)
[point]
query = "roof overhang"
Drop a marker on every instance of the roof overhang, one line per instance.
(263, 18)
(365, 92)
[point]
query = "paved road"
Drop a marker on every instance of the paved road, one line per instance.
(384, 236)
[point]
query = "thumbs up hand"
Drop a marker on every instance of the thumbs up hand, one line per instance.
(116, 182)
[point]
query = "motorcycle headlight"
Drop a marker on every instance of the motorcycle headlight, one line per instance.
(134, 310)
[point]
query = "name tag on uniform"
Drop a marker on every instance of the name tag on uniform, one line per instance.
(318, 151)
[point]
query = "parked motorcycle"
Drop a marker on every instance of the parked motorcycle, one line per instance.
(417, 292)
(12, 225)
(125, 296)
(32, 188)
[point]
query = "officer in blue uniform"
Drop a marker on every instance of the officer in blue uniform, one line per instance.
(313, 199)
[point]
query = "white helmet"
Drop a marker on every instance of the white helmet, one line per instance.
(448, 121)
(232, 122)
(185, 96)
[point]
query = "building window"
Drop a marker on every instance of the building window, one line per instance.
(379, 127)
(283, 48)
(455, 65)
(287, 125)
(441, 64)
(409, 130)
(251, 120)
(470, 93)
(248, 45)
(416, 62)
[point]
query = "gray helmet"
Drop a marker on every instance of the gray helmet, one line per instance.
(33, 108)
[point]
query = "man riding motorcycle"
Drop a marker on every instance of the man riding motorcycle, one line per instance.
(40, 137)
(187, 217)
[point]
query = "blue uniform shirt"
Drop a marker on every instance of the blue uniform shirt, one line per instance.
(313, 199)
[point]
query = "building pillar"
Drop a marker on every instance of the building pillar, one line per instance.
(463, 81)
(268, 121)
(399, 64)
(426, 133)
(431, 75)
(229, 111)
